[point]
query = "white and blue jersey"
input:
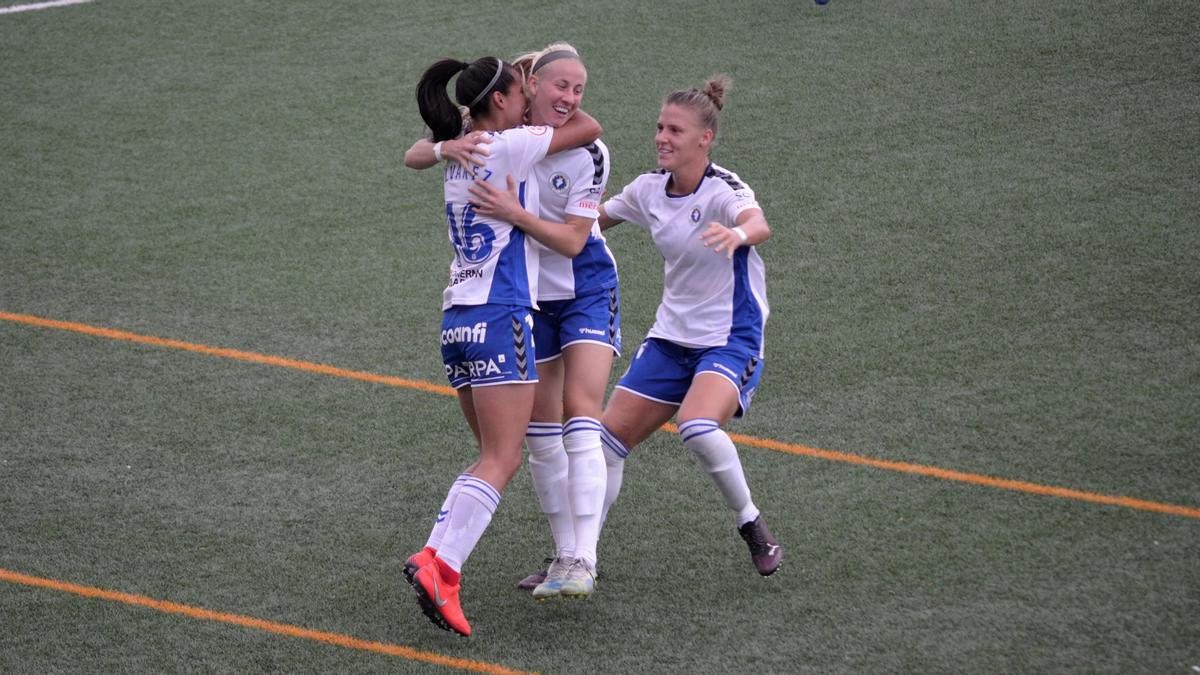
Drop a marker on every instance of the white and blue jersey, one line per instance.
(707, 297)
(494, 262)
(570, 183)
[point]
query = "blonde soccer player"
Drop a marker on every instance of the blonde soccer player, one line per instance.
(702, 360)
(486, 339)
(577, 322)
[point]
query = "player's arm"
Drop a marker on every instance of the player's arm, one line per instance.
(466, 150)
(580, 129)
(607, 221)
(750, 229)
(564, 238)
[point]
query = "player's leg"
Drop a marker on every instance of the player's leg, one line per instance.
(711, 402)
(502, 412)
(628, 420)
(591, 338)
(587, 367)
(452, 353)
(495, 376)
(645, 398)
(548, 467)
(548, 463)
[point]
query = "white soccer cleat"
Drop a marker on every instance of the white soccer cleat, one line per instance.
(556, 574)
(580, 581)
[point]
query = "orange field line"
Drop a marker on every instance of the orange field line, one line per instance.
(229, 353)
(768, 444)
(258, 624)
(972, 478)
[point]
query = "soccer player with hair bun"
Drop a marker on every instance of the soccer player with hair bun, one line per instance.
(577, 322)
(486, 338)
(703, 358)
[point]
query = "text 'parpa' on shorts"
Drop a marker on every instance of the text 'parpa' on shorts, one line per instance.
(486, 345)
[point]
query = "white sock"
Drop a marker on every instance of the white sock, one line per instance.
(585, 483)
(548, 466)
(615, 453)
(718, 456)
(469, 516)
(439, 525)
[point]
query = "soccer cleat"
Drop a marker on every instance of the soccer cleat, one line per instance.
(766, 554)
(531, 582)
(580, 580)
(556, 574)
(416, 561)
(438, 599)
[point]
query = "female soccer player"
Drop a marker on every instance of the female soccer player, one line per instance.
(703, 357)
(486, 322)
(576, 325)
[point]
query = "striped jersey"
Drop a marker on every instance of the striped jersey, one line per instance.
(706, 296)
(494, 262)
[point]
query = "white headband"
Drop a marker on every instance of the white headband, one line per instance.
(499, 69)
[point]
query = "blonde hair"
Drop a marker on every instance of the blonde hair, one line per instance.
(707, 102)
(525, 62)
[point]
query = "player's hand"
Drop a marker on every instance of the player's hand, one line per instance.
(493, 202)
(469, 150)
(721, 239)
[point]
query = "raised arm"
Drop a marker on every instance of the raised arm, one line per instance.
(581, 129)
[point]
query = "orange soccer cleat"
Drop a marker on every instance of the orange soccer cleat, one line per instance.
(438, 598)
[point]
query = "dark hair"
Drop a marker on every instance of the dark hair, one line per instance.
(473, 89)
(707, 102)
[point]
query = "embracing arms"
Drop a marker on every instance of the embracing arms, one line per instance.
(565, 238)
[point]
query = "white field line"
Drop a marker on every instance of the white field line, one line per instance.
(40, 5)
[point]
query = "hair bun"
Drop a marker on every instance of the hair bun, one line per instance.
(715, 89)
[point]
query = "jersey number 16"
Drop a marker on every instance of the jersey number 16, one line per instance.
(472, 241)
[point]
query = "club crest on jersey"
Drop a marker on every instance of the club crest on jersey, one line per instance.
(559, 183)
(695, 215)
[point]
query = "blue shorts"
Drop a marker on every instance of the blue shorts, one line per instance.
(594, 318)
(663, 371)
(487, 344)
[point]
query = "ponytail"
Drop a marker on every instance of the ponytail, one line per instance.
(472, 91)
(439, 112)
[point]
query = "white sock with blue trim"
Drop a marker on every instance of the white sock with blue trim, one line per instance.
(585, 482)
(469, 516)
(549, 469)
(615, 453)
(439, 525)
(718, 456)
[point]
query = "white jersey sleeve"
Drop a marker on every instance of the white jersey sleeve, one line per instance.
(628, 205)
(569, 184)
(731, 203)
(521, 147)
(589, 176)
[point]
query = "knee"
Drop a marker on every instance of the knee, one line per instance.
(615, 449)
(509, 467)
(616, 436)
(579, 401)
(703, 437)
(502, 468)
